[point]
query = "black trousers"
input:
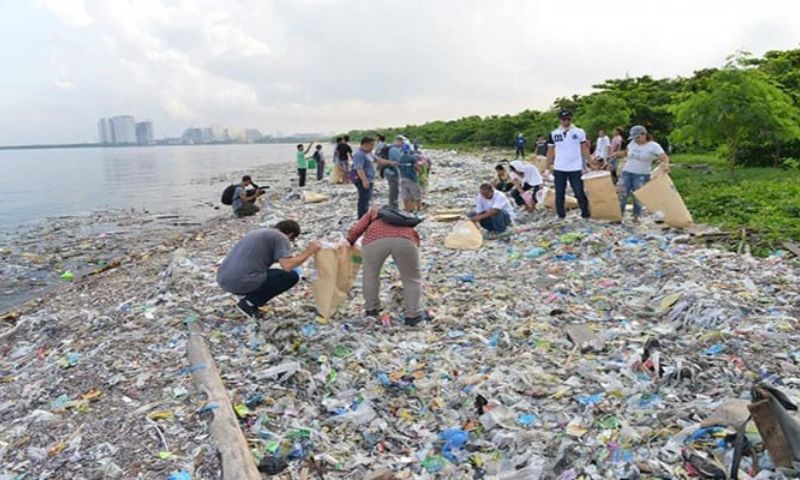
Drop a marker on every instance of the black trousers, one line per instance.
(301, 173)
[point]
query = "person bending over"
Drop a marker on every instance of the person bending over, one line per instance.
(247, 269)
(402, 243)
(529, 179)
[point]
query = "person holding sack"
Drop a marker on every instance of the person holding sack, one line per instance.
(639, 157)
(381, 239)
(247, 271)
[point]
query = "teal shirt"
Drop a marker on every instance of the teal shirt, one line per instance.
(301, 160)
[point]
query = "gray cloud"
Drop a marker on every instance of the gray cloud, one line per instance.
(319, 65)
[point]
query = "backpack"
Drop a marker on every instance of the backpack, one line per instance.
(227, 194)
(397, 217)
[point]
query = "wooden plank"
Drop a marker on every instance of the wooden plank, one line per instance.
(237, 462)
(792, 247)
(583, 337)
(771, 433)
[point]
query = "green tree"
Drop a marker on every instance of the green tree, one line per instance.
(742, 107)
(603, 110)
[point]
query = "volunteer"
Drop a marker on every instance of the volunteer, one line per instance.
(567, 149)
(247, 270)
(639, 157)
(380, 241)
(616, 146)
(600, 155)
(493, 211)
(503, 181)
(529, 178)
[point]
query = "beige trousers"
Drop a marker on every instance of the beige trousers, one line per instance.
(406, 256)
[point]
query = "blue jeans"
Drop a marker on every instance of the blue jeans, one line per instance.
(630, 183)
(497, 223)
(364, 197)
(277, 282)
(576, 183)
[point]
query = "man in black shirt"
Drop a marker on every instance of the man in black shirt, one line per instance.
(344, 153)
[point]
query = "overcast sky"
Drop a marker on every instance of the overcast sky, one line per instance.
(331, 65)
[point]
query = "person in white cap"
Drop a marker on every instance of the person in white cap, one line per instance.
(639, 157)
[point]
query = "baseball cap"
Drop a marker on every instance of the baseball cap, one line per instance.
(635, 131)
(565, 114)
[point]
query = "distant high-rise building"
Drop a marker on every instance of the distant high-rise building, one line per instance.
(104, 132)
(252, 135)
(124, 128)
(144, 133)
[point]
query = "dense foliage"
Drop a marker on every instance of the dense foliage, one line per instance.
(712, 110)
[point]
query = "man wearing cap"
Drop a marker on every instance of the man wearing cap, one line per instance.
(567, 149)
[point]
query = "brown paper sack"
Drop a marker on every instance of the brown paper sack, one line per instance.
(549, 195)
(541, 163)
(311, 197)
(465, 236)
(661, 198)
(338, 175)
(336, 270)
(603, 198)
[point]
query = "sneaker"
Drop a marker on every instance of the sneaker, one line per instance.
(489, 235)
(414, 321)
(248, 310)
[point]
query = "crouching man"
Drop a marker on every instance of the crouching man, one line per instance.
(493, 212)
(247, 270)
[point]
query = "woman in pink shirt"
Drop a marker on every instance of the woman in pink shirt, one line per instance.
(616, 146)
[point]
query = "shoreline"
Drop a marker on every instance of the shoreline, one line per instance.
(87, 373)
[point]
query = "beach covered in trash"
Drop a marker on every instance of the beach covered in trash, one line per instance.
(573, 349)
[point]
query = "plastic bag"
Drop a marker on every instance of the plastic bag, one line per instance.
(336, 269)
(603, 198)
(465, 236)
(660, 197)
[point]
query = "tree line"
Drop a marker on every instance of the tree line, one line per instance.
(747, 111)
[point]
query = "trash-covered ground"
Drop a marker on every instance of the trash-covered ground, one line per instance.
(575, 349)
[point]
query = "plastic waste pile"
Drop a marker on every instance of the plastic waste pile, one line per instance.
(573, 349)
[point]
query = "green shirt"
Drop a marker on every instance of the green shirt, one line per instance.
(301, 160)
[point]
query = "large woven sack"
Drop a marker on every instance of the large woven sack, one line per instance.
(336, 269)
(338, 175)
(661, 198)
(549, 195)
(311, 197)
(465, 236)
(602, 195)
(541, 163)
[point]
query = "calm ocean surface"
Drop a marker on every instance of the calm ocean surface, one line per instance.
(41, 183)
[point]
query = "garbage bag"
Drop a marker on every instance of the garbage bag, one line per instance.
(660, 197)
(549, 196)
(311, 197)
(465, 236)
(603, 198)
(336, 269)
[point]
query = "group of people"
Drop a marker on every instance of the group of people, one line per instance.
(568, 158)
(248, 269)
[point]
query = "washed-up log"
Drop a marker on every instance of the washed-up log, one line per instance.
(237, 462)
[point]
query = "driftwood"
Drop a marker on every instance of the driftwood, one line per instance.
(237, 462)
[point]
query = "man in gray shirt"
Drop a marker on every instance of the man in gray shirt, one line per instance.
(243, 203)
(246, 269)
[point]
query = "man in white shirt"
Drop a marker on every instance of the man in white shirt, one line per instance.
(601, 147)
(493, 211)
(567, 149)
